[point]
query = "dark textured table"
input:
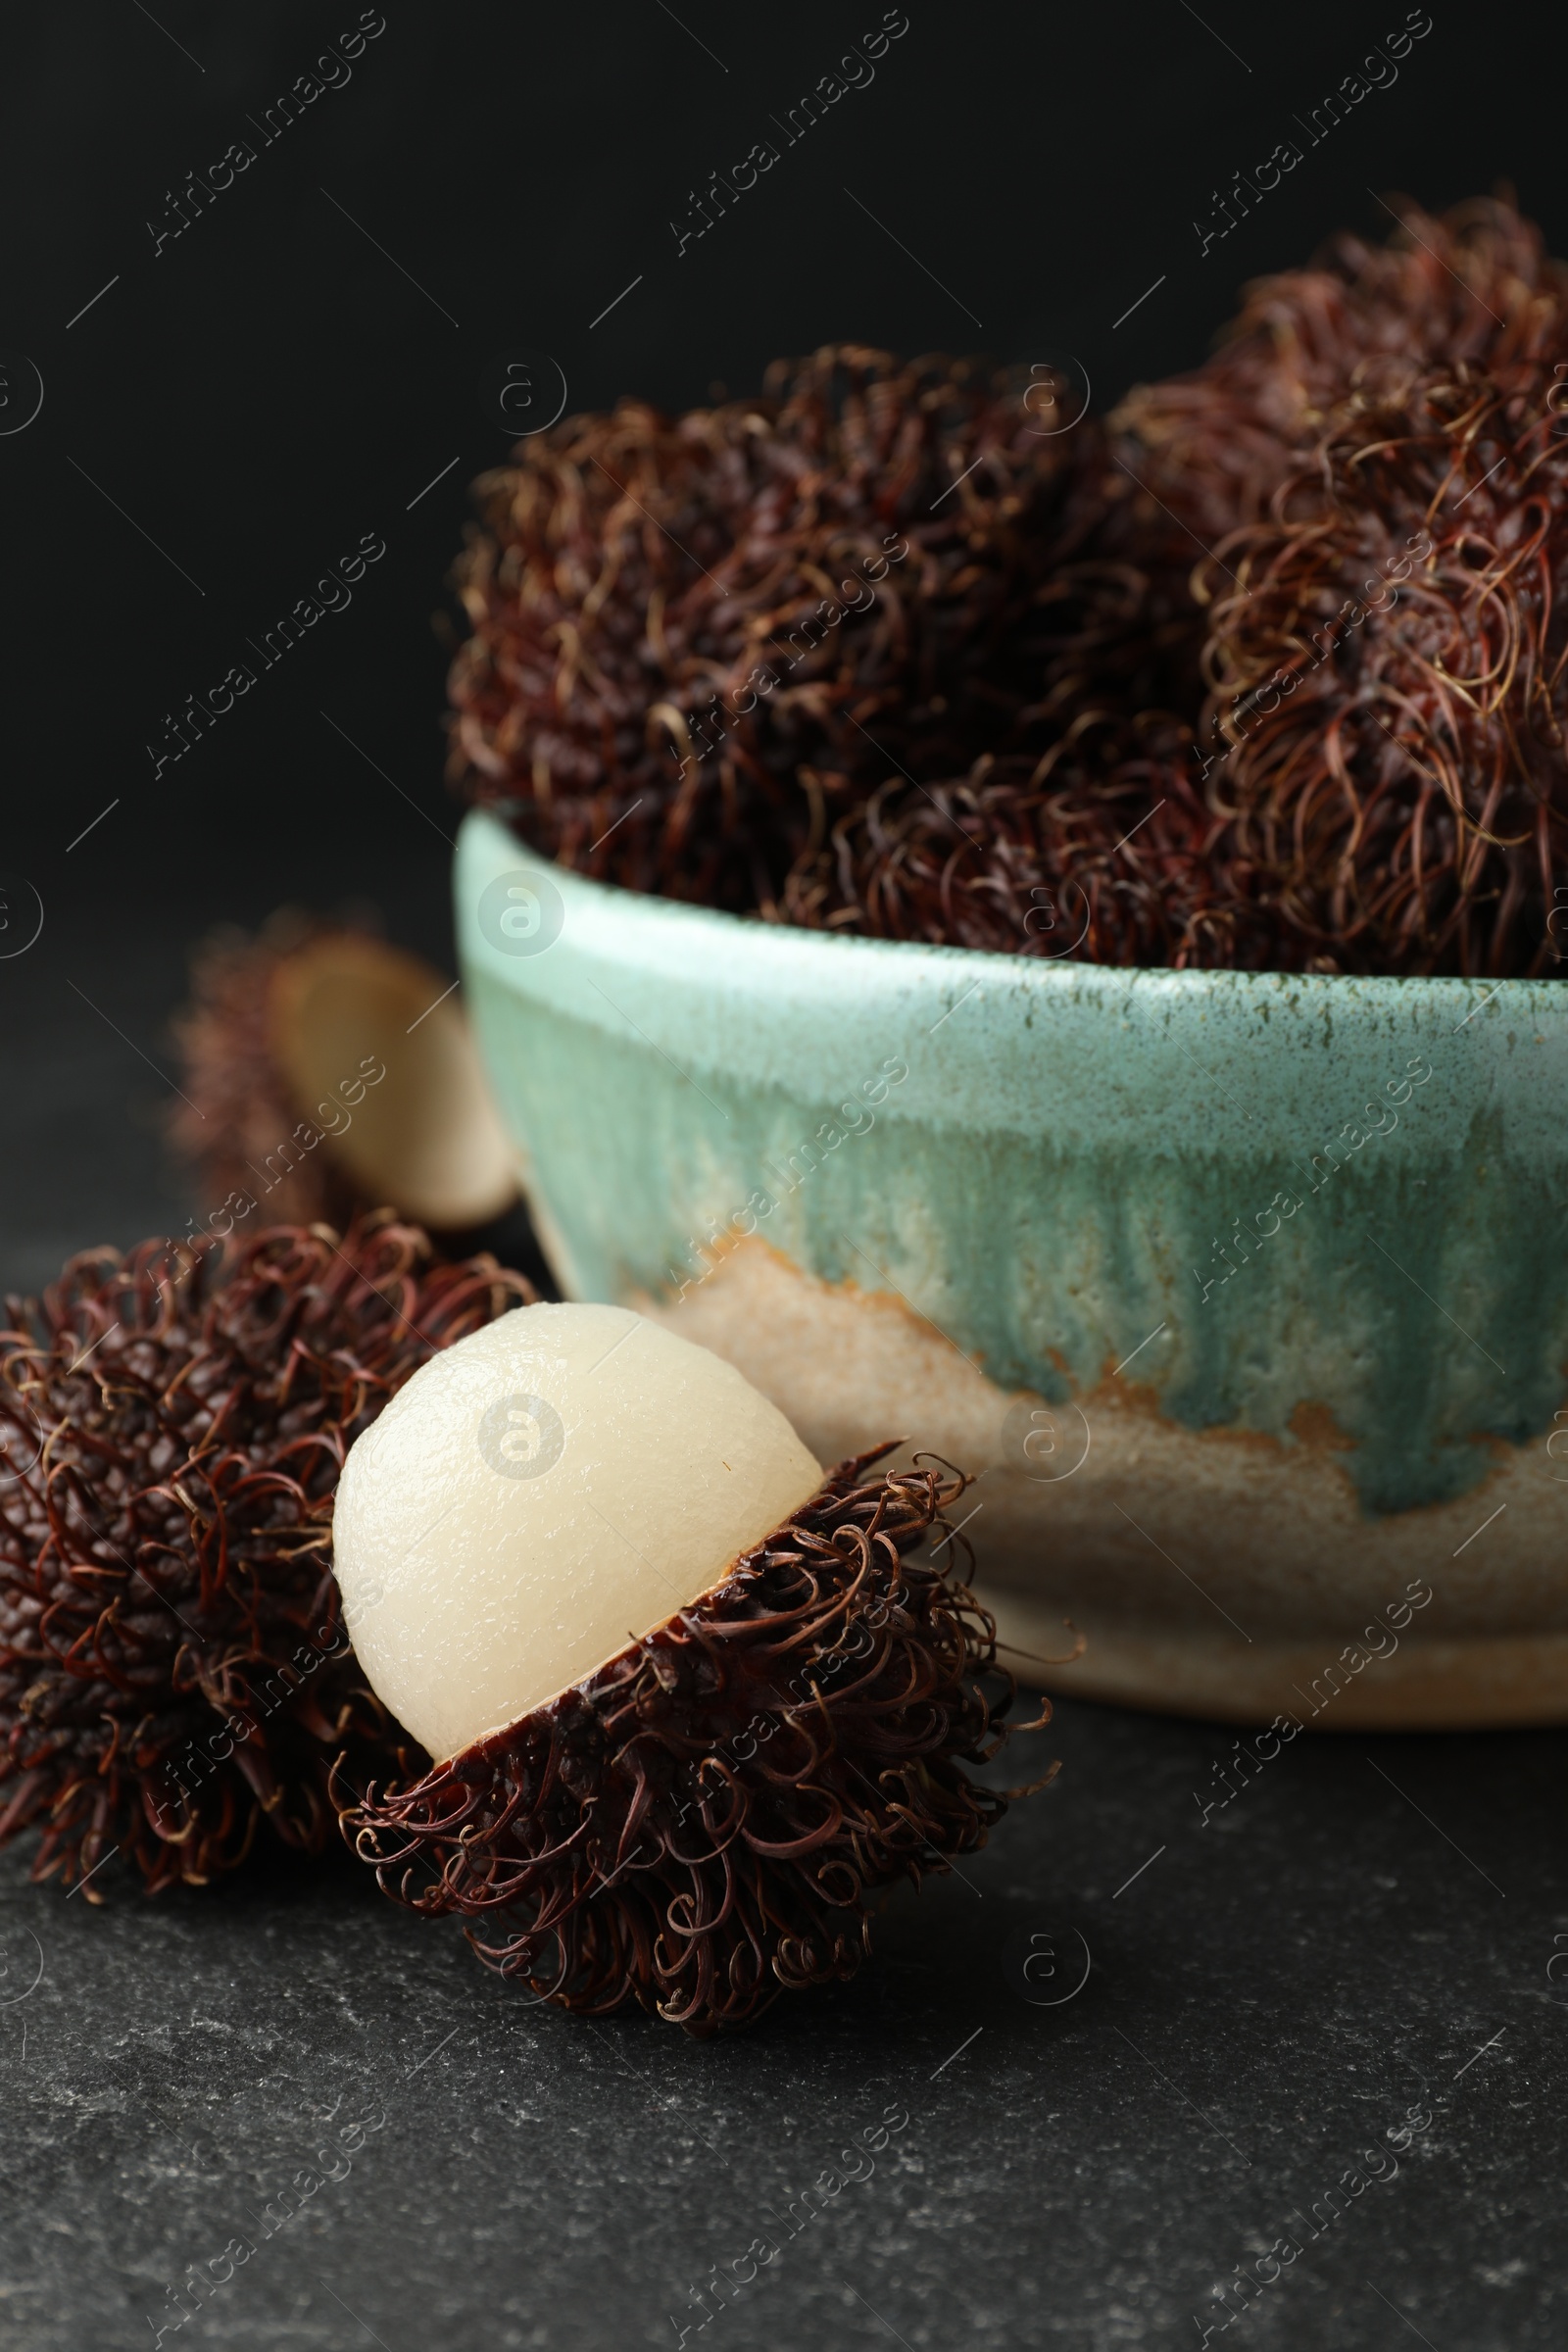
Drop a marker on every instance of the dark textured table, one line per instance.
(1319, 2048)
(1320, 2028)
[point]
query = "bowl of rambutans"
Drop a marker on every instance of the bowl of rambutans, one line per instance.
(1048, 941)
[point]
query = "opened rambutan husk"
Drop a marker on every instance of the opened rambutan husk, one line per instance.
(327, 1073)
(173, 1671)
(642, 1839)
(637, 576)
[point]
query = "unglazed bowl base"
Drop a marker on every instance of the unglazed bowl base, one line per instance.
(1268, 1571)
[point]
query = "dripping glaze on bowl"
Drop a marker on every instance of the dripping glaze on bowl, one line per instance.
(1236, 1290)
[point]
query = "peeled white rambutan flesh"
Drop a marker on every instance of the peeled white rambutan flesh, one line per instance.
(531, 1501)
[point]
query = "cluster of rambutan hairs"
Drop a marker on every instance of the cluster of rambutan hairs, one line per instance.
(695, 1827)
(1266, 670)
(173, 1670)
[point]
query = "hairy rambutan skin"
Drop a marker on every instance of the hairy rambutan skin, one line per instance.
(1188, 461)
(237, 1109)
(695, 1827)
(1471, 287)
(1385, 659)
(1318, 653)
(866, 538)
(1102, 850)
(174, 1669)
(1109, 705)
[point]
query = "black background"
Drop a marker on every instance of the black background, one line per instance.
(257, 395)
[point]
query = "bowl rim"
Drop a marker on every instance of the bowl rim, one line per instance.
(483, 834)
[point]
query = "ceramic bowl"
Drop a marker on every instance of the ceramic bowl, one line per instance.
(1242, 1296)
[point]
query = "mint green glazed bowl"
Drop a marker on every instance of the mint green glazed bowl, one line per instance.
(1242, 1297)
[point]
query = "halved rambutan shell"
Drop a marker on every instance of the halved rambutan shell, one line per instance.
(700, 1822)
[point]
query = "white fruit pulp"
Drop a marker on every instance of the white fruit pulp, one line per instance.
(538, 1495)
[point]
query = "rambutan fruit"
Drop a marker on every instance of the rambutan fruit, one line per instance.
(1310, 710)
(1386, 656)
(1473, 287)
(326, 1074)
(697, 639)
(692, 1700)
(1103, 850)
(173, 1670)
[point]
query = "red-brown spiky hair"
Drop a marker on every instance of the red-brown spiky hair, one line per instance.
(1373, 789)
(1386, 660)
(1103, 850)
(694, 638)
(237, 1106)
(173, 1666)
(1473, 286)
(1194, 457)
(696, 1826)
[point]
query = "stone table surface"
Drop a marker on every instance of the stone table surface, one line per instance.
(1322, 2037)
(1358, 1948)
